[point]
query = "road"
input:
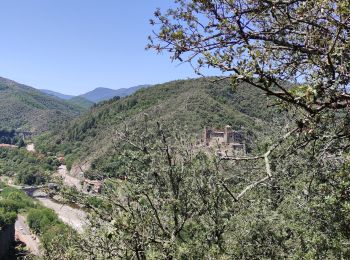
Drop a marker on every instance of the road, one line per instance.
(24, 235)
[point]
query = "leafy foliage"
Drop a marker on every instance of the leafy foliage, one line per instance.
(7, 217)
(176, 193)
(41, 219)
(178, 202)
(252, 41)
(266, 44)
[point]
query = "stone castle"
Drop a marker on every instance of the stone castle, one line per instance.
(227, 142)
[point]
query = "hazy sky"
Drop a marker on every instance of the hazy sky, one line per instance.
(73, 46)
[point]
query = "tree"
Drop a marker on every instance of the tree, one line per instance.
(172, 202)
(177, 201)
(297, 52)
(294, 50)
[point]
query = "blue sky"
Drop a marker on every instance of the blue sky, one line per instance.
(73, 46)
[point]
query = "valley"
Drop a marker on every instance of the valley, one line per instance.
(157, 160)
(183, 106)
(85, 146)
(232, 143)
(72, 216)
(181, 129)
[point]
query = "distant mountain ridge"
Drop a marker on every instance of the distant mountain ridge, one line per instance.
(56, 94)
(97, 95)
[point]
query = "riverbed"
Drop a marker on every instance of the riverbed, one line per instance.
(74, 217)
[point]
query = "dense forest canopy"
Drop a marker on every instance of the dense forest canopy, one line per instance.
(25, 167)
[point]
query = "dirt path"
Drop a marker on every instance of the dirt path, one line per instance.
(24, 235)
(75, 218)
(68, 179)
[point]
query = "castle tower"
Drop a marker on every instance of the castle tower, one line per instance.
(227, 134)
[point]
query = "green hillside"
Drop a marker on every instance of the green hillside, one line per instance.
(25, 108)
(186, 106)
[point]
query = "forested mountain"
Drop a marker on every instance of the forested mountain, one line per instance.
(186, 106)
(74, 100)
(25, 108)
(143, 179)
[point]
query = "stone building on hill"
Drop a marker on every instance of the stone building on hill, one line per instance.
(226, 142)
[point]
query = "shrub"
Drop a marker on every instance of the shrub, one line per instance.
(42, 219)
